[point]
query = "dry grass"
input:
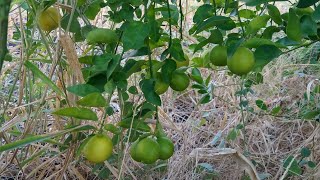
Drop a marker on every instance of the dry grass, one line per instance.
(267, 141)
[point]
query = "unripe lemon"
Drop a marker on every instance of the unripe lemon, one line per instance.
(179, 81)
(218, 56)
(102, 35)
(147, 151)
(241, 62)
(166, 148)
(160, 86)
(98, 148)
(49, 19)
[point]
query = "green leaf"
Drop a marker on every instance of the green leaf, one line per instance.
(203, 12)
(74, 24)
(274, 13)
(82, 89)
(216, 37)
(311, 114)
(294, 169)
(256, 42)
(257, 23)
(261, 105)
(222, 22)
(136, 124)
(305, 152)
(133, 90)
(316, 14)
(134, 35)
(232, 135)
(276, 110)
(77, 112)
(311, 164)
(293, 28)
(196, 75)
(93, 9)
(258, 2)
(112, 128)
(132, 66)
(115, 61)
(306, 3)
(110, 86)
(40, 138)
(43, 77)
(176, 50)
(147, 87)
(246, 13)
(92, 100)
(205, 99)
(200, 45)
(262, 58)
(308, 26)
(167, 69)
(269, 31)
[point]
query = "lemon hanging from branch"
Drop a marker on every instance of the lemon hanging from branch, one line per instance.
(49, 19)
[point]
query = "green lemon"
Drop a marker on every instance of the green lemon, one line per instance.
(102, 35)
(49, 19)
(241, 62)
(179, 81)
(98, 148)
(166, 147)
(218, 56)
(160, 86)
(133, 151)
(147, 150)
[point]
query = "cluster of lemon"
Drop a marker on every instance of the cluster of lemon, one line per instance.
(240, 63)
(148, 150)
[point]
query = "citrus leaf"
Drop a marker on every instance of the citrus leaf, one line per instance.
(257, 23)
(269, 31)
(134, 35)
(274, 13)
(74, 24)
(222, 22)
(92, 100)
(203, 12)
(246, 13)
(82, 89)
(306, 3)
(136, 124)
(293, 28)
(308, 26)
(93, 9)
(176, 50)
(77, 112)
(43, 77)
(256, 42)
(262, 58)
(166, 71)
(147, 87)
(40, 138)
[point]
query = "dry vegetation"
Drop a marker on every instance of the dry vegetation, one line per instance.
(199, 131)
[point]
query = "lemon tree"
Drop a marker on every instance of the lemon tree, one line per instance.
(137, 51)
